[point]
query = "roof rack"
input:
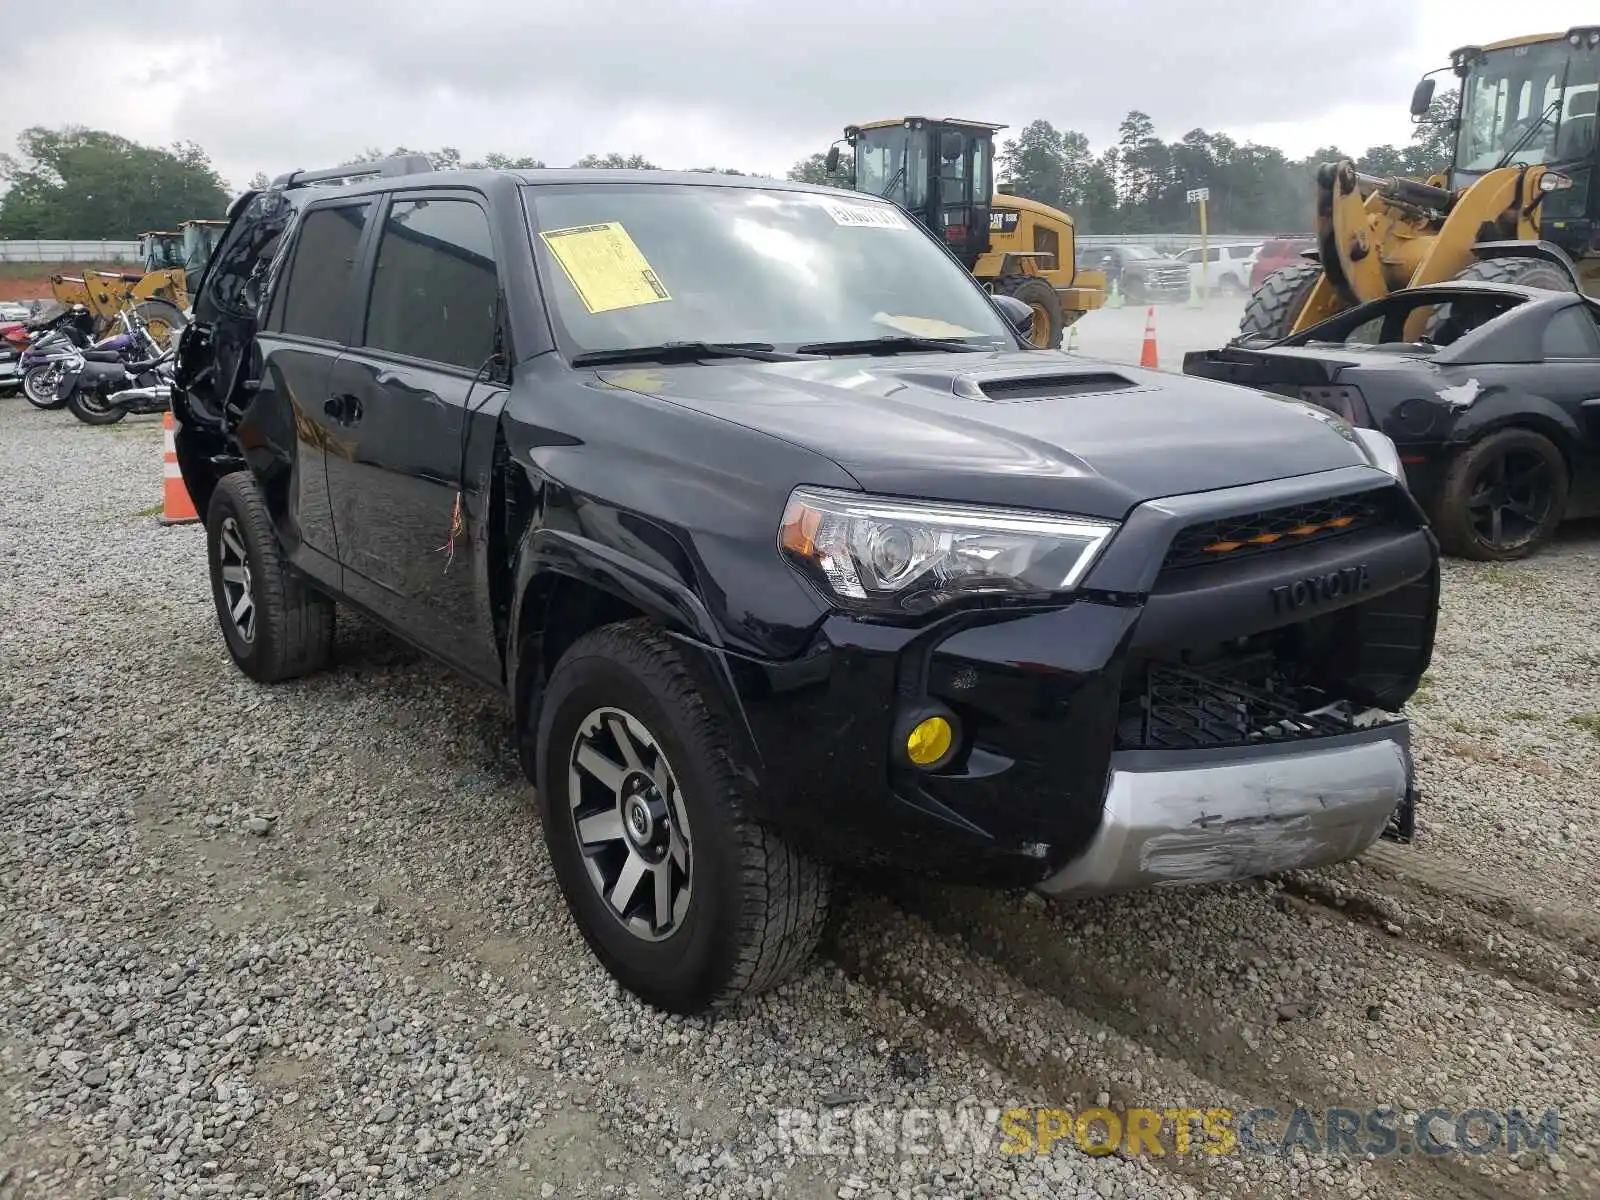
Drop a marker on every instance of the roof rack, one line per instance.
(382, 168)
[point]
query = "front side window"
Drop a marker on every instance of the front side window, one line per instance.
(626, 265)
(316, 298)
(893, 163)
(434, 288)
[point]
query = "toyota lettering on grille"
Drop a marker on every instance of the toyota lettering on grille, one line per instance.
(1321, 589)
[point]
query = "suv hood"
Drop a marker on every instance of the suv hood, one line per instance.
(1035, 429)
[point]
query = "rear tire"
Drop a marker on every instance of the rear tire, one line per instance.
(739, 911)
(93, 409)
(1524, 272)
(1517, 471)
(1045, 302)
(286, 628)
(1276, 305)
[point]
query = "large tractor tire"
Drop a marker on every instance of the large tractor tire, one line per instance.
(1520, 272)
(1523, 272)
(1037, 294)
(1275, 306)
(164, 319)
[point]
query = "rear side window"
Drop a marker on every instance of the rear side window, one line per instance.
(316, 297)
(1571, 334)
(1240, 251)
(434, 289)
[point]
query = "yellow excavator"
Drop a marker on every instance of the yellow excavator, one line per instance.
(172, 262)
(1518, 205)
(941, 171)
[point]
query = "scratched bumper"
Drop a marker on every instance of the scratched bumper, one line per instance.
(1170, 822)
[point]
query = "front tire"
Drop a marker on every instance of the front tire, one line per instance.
(1502, 498)
(680, 894)
(1275, 306)
(275, 625)
(1037, 294)
(164, 319)
(39, 386)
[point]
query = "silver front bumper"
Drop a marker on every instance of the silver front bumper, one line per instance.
(1241, 816)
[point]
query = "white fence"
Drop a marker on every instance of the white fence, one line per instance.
(69, 252)
(1172, 243)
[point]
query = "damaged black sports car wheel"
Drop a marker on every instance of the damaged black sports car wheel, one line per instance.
(1503, 497)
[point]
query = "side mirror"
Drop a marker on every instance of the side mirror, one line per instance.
(1421, 97)
(831, 163)
(1018, 315)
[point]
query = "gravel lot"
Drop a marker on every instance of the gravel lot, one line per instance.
(304, 942)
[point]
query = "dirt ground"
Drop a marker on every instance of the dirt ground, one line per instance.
(31, 281)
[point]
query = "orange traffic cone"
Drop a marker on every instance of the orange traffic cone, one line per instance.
(176, 507)
(1148, 357)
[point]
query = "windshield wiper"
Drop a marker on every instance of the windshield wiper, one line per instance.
(892, 344)
(681, 352)
(1551, 111)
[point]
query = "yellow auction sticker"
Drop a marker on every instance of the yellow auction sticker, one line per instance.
(605, 267)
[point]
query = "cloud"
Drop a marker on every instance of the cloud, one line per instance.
(304, 83)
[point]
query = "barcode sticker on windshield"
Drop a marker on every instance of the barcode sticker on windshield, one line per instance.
(866, 216)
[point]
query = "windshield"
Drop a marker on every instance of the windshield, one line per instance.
(643, 264)
(893, 162)
(1505, 96)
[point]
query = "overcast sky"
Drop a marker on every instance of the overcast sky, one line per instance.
(284, 84)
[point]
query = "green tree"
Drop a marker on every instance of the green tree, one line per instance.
(1035, 163)
(258, 181)
(621, 162)
(75, 182)
(814, 170)
(1433, 141)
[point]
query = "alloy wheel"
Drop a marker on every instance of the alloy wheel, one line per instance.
(40, 385)
(238, 588)
(628, 818)
(1511, 499)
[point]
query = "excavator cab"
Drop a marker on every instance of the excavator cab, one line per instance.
(940, 171)
(160, 249)
(200, 238)
(1532, 102)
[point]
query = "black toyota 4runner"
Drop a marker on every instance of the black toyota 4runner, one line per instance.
(788, 552)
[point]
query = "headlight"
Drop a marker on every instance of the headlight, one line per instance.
(909, 556)
(1381, 452)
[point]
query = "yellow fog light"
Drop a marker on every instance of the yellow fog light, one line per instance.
(929, 741)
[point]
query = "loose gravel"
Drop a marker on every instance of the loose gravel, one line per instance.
(304, 941)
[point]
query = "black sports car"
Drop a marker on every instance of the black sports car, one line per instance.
(1490, 391)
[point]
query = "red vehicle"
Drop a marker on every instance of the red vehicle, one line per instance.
(1278, 253)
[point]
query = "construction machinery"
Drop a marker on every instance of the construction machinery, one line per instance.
(172, 262)
(1518, 204)
(941, 171)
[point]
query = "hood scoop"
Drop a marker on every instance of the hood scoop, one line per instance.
(1043, 387)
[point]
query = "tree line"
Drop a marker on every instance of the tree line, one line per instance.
(78, 183)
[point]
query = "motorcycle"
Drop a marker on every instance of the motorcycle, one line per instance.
(43, 362)
(17, 337)
(101, 387)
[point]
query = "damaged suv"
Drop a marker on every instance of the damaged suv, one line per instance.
(788, 552)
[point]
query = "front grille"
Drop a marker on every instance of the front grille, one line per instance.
(1182, 708)
(1233, 538)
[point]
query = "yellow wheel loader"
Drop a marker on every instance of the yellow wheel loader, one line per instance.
(172, 262)
(941, 171)
(1518, 205)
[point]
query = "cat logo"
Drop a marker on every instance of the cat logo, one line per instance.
(1003, 220)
